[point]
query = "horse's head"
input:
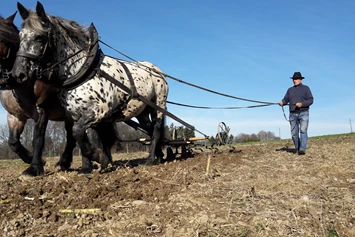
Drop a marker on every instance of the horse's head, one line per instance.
(9, 44)
(36, 44)
(51, 48)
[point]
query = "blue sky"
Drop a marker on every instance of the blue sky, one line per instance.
(247, 49)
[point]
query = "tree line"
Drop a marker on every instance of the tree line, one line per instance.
(55, 140)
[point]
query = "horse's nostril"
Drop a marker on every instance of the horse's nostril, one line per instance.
(21, 77)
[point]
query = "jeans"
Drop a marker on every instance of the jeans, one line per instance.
(299, 126)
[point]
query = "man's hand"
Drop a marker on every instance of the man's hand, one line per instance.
(299, 105)
(281, 103)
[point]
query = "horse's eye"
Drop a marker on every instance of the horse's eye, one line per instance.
(39, 39)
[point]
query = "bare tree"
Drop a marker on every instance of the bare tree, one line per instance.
(4, 133)
(26, 140)
(262, 135)
(55, 138)
(5, 151)
(27, 134)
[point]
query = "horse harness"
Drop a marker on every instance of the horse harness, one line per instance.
(6, 63)
(90, 68)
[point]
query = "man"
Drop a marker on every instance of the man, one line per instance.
(300, 98)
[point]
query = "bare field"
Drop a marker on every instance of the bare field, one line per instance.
(256, 190)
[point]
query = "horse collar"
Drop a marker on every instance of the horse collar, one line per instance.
(91, 64)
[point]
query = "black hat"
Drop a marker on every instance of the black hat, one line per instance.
(297, 75)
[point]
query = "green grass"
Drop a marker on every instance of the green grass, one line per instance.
(330, 136)
(335, 135)
(5, 164)
(332, 233)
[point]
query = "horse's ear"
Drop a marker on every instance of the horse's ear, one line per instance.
(41, 13)
(10, 19)
(23, 11)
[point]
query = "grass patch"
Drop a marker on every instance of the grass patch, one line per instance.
(332, 233)
(16, 163)
(334, 135)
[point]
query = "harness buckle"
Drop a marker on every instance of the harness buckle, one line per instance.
(39, 72)
(5, 74)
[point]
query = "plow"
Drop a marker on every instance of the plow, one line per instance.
(182, 147)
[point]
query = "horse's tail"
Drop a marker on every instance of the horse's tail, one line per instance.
(162, 137)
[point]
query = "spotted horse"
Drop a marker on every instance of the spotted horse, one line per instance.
(67, 55)
(21, 109)
(34, 101)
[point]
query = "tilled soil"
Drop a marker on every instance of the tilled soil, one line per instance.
(252, 190)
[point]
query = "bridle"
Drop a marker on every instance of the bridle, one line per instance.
(46, 70)
(41, 60)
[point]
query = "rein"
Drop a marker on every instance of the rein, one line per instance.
(193, 85)
(86, 71)
(263, 103)
(146, 101)
(64, 60)
(207, 107)
(283, 111)
(133, 92)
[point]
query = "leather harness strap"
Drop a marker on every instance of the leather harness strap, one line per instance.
(131, 80)
(85, 73)
(89, 69)
(145, 100)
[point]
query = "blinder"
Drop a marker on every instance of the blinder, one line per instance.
(7, 55)
(6, 65)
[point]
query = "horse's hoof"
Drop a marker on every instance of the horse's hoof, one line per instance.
(64, 166)
(44, 162)
(100, 156)
(152, 162)
(34, 170)
(104, 164)
(85, 171)
(108, 169)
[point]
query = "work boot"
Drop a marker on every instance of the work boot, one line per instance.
(301, 152)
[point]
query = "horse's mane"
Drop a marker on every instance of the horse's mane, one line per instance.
(70, 27)
(8, 33)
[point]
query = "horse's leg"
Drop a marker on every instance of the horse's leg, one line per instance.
(88, 151)
(154, 129)
(67, 157)
(95, 140)
(161, 139)
(156, 145)
(36, 167)
(16, 127)
(103, 136)
(108, 136)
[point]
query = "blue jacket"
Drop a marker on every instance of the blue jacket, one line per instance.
(295, 94)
